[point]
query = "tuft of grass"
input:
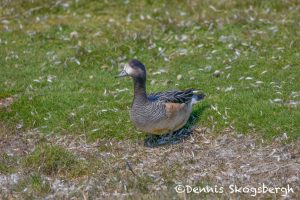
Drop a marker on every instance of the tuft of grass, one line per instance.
(7, 163)
(38, 184)
(4, 168)
(140, 184)
(34, 185)
(53, 160)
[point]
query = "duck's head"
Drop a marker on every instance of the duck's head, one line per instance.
(133, 68)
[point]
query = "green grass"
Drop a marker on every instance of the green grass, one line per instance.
(34, 185)
(83, 96)
(53, 160)
(7, 164)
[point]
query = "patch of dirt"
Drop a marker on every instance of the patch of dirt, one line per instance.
(132, 170)
(6, 102)
(17, 144)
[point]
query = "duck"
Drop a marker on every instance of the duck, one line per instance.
(157, 113)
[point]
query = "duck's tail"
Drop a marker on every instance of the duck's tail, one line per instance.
(197, 97)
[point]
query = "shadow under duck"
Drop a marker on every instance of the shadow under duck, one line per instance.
(157, 113)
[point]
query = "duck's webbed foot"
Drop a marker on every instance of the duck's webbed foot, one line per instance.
(169, 138)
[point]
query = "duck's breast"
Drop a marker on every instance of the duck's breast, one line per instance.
(147, 115)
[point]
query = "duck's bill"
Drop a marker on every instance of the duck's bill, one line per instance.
(122, 74)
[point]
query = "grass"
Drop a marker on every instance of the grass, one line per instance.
(59, 60)
(7, 164)
(66, 84)
(54, 160)
(34, 185)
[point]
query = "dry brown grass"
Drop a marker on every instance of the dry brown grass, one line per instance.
(127, 169)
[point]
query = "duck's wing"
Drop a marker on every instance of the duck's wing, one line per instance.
(184, 96)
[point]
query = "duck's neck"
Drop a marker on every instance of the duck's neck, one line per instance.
(140, 95)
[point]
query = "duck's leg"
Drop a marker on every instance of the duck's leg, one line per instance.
(151, 140)
(169, 138)
(179, 135)
(182, 133)
(157, 140)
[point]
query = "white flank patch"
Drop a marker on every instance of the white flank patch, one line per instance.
(194, 100)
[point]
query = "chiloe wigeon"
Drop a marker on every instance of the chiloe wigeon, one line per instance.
(157, 113)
